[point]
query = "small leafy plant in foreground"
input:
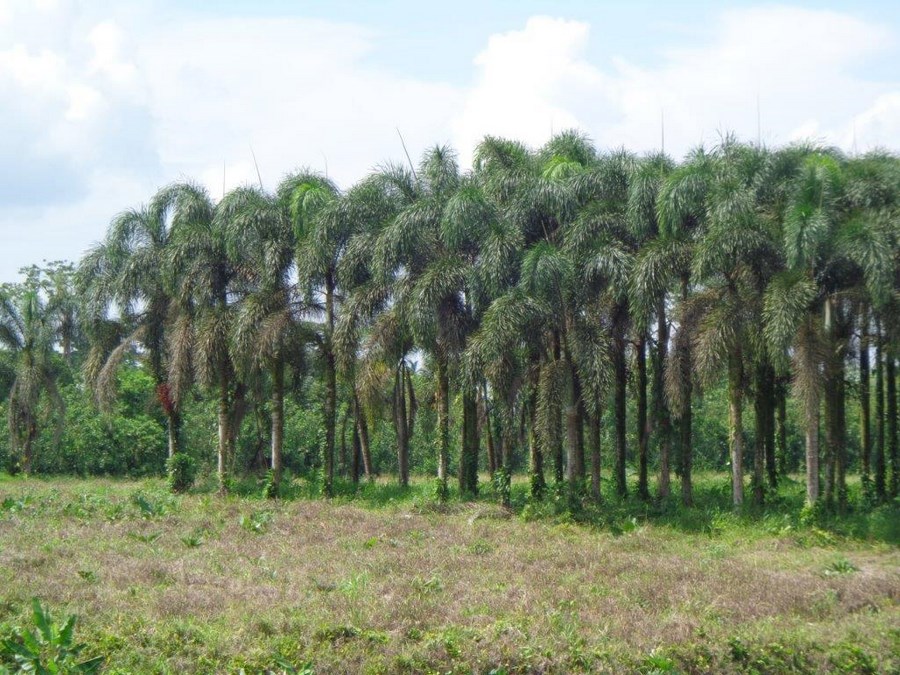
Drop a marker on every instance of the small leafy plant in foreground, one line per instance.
(48, 649)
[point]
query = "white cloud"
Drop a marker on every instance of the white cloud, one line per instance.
(879, 125)
(103, 103)
(297, 91)
(527, 82)
(106, 38)
(798, 62)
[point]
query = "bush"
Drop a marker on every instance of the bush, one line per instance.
(182, 470)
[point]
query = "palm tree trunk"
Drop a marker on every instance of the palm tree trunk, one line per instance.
(619, 403)
(812, 449)
(363, 427)
(831, 403)
(760, 403)
(443, 395)
(345, 420)
(892, 421)
(484, 421)
(781, 452)
(173, 427)
(468, 466)
(330, 387)
(663, 421)
(736, 426)
(685, 423)
(224, 433)
(356, 453)
(879, 468)
(594, 421)
(556, 421)
(28, 448)
(841, 430)
(770, 401)
(277, 421)
(401, 425)
(865, 429)
(642, 430)
(574, 458)
(535, 455)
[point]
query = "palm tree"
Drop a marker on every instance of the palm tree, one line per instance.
(651, 279)
(729, 260)
(794, 303)
(128, 272)
(682, 217)
(268, 330)
(321, 235)
(29, 331)
(204, 308)
(373, 339)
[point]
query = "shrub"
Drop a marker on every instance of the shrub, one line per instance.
(182, 470)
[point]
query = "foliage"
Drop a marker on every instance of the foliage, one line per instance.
(182, 471)
(49, 648)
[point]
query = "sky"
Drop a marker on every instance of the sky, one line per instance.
(102, 102)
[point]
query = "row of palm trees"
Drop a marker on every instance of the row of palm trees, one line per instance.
(538, 289)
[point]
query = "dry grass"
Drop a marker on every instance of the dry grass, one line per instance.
(192, 589)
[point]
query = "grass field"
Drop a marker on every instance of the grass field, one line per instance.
(387, 581)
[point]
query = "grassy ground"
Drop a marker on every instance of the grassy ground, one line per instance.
(384, 580)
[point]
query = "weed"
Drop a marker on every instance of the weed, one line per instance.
(257, 522)
(49, 648)
(840, 566)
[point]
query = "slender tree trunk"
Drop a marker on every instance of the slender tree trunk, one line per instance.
(28, 449)
(581, 468)
(770, 403)
(277, 421)
(841, 433)
(330, 387)
(356, 455)
(879, 468)
(363, 427)
(443, 395)
(812, 449)
(760, 403)
(224, 433)
(892, 440)
(468, 464)
(686, 421)
(345, 421)
(831, 401)
(661, 410)
(484, 421)
(781, 453)
(536, 455)
(642, 429)
(620, 401)
(401, 426)
(736, 427)
(556, 421)
(594, 421)
(173, 425)
(865, 429)
(574, 458)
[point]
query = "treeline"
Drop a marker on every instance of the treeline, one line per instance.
(558, 309)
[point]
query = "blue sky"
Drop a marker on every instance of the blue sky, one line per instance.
(102, 103)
